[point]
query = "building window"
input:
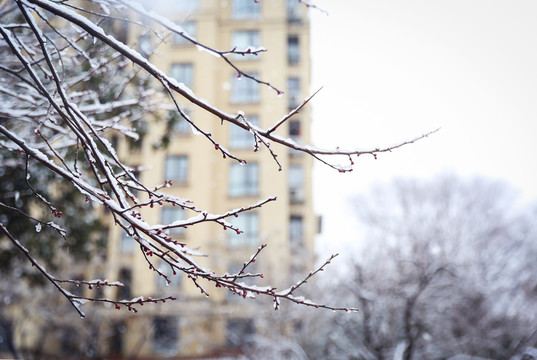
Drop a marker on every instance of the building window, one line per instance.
(295, 135)
(296, 184)
(128, 243)
(244, 41)
(243, 179)
(116, 342)
(189, 28)
(124, 277)
(293, 50)
(294, 129)
(293, 91)
(293, 11)
(245, 9)
(176, 168)
(239, 332)
(296, 231)
(165, 335)
(183, 72)
(171, 214)
(240, 138)
(248, 223)
(244, 90)
(175, 280)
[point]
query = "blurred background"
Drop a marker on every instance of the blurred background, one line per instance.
(393, 70)
(437, 239)
(439, 236)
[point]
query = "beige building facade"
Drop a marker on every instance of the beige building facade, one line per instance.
(222, 323)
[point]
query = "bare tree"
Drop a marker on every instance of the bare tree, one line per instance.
(58, 113)
(444, 270)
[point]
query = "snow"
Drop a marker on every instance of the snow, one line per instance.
(258, 289)
(143, 232)
(195, 131)
(202, 48)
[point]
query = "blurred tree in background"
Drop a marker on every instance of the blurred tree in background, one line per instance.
(447, 267)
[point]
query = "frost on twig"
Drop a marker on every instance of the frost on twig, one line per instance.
(310, 4)
(59, 112)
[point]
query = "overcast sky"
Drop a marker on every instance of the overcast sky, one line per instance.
(394, 69)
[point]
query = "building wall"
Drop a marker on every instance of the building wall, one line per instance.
(202, 323)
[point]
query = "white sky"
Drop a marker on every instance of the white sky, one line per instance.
(394, 69)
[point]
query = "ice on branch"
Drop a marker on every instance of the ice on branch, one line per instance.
(76, 96)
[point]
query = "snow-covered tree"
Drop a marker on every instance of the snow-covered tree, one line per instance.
(447, 267)
(70, 81)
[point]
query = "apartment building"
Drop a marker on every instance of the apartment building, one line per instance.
(221, 323)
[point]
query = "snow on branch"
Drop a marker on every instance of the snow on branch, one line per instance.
(223, 54)
(310, 4)
(70, 85)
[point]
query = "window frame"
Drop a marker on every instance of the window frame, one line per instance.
(295, 181)
(293, 50)
(295, 129)
(240, 138)
(293, 91)
(295, 134)
(245, 10)
(183, 168)
(293, 11)
(245, 90)
(243, 180)
(296, 231)
(183, 72)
